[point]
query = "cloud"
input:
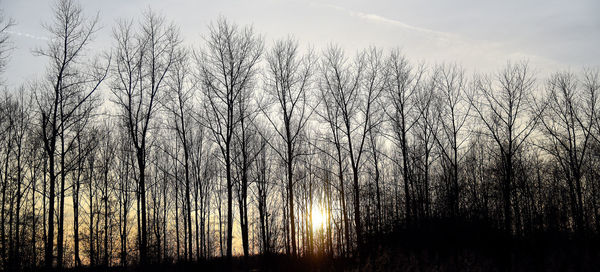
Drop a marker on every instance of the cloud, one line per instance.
(383, 20)
(27, 35)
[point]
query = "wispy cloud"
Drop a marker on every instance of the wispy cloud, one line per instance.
(27, 35)
(447, 46)
(384, 20)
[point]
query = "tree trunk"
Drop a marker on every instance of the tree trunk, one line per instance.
(76, 188)
(142, 191)
(61, 210)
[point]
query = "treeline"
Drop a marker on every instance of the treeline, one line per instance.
(160, 152)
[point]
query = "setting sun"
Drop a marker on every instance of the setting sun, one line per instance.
(319, 218)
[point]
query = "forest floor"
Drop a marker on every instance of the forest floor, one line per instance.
(567, 258)
(429, 249)
(523, 256)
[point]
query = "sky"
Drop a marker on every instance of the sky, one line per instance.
(482, 36)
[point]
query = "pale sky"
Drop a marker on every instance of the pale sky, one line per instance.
(480, 35)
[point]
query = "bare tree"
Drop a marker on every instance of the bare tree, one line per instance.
(142, 62)
(22, 134)
(503, 106)
(263, 187)
(425, 129)
(591, 84)
(91, 181)
(331, 114)
(70, 89)
(126, 173)
(106, 148)
(376, 77)
(181, 92)
(228, 65)
(245, 152)
(403, 84)
(354, 89)
(14, 129)
(85, 144)
(7, 108)
(5, 43)
(8, 122)
(288, 81)
(453, 112)
(566, 122)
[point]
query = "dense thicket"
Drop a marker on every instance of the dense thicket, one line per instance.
(159, 152)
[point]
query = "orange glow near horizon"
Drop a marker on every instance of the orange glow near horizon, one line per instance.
(319, 218)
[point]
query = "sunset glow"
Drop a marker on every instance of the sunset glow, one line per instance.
(319, 218)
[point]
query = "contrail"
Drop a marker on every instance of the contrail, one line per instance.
(385, 20)
(27, 35)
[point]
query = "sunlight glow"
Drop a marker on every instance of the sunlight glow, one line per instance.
(319, 218)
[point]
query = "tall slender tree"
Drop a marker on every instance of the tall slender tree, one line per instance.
(288, 82)
(142, 61)
(453, 111)
(401, 88)
(179, 104)
(69, 90)
(228, 67)
(505, 107)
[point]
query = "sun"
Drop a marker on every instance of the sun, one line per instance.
(319, 219)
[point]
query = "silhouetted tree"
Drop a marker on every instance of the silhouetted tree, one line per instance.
(453, 110)
(288, 80)
(504, 106)
(66, 99)
(403, 84)
(228, 65)
(142, 61)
